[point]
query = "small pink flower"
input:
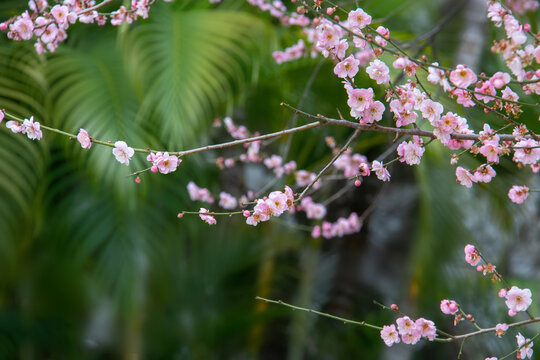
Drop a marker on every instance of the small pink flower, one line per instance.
(60, 13)
(405, 325)
(378, 71)
(426, 328)
(23, 27)
(462, 77)
(499, 79)
(227, 201)
(209, 219)
(389, 335)
(518, 299)
(411, 338)
(530, 154)
(347, 67)
(500, 329)
(518, 194)
(359, 99)
(359, 19)
(525, 347)
(380, 170)
(84, 139)
(2, 115)
(471, 255)
(122, 152)
(32, 129)
(431, 110)
(464, 177)
(484, 173)
(16, 127)
(167, 163)
(411, 152)
(449, 307)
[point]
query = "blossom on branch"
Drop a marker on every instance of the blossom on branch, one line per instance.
(122, 152)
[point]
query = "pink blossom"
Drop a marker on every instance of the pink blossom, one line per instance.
(358, 19)
(462, 77)
(378, 71)
(405, 325)
(484, 173)
(380, 170)
(518, 194)
(529, 155)
(316, 232)
(464, 177)
(347, 67)
(407, 65)
(499, 79)
(84, 139)
(373, 113)
(389, 335)
(198, 194)
(32, 129)
(122, 152)
(449, 307)
(16, 126)
(167, 163)
(518, 299)
(500, 329)
(2, 115)
(411, 152)
(411, 338)
(431, 110)
(23, 28)
(471, 255)
(502, 292)
(426, 328)
(359, 99)
(209, 219)
(312, 209)
(525, 347)
(49, 35)
(227, 201)
(60, 13)
(508, 94)
(279, 202)
(485, 88)
(490, 150)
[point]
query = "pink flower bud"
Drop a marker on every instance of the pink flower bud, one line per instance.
(526, 27)
(180, 215)
(470, 317)
(246, 213)
(357, 183)
(453, 307)
(394, 307)
(154, 169)
(479, 268)
(502, 293)
(138, 180)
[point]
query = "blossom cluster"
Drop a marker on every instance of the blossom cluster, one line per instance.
(410, 331)
(49, 24)
(275, 204)
(29, 127)
(339, 228)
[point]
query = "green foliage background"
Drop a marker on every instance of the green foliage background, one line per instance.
(95, 266)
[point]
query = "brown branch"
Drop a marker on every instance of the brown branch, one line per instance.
(390, 130)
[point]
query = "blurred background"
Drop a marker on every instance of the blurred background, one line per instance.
(97, 267)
